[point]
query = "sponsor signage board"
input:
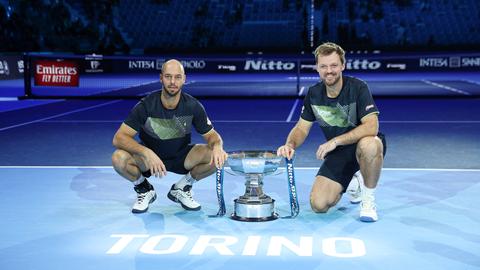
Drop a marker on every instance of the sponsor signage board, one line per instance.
(57, 72)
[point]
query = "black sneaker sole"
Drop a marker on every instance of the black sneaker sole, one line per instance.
(135, 211)
(173, 199)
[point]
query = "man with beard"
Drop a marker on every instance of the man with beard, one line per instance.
(344, 108)
(164, 120)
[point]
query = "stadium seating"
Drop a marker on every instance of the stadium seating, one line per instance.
(226, 25)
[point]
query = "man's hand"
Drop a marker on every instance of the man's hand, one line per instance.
(286, 151)
(219, 156)
(153, 163)
(326, 148)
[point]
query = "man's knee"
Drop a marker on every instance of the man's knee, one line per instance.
(120, 158)
(325, 194)
(369, 148)
(200, 154)
(319, 206)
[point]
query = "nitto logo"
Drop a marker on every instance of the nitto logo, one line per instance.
(290, 179)
(434, 62)
(141, 64)
(227, 245)
(364, 64)
(268, 65)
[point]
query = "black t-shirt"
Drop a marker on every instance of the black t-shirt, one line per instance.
(338, 115)
(166, 131)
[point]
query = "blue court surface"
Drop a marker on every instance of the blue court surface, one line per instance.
(381, 84)
(79, 218)
(65, 207)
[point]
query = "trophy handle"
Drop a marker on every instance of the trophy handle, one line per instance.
(219, 187)
(292, 189)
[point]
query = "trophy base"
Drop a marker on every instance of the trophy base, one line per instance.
(261, 219)
(254, 212)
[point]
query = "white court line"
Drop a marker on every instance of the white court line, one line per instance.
(119, 121)
(455, 90)
(290, 115)
(301, 91)
(61, 114)
(8, 99)
(126, 87)
(296, 168)
(433, 121)
(83, 121)
(304, 78)
(282, 122)
(470, 81)
(141, 84)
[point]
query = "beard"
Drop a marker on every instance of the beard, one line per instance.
(171, 93)
(335, 80)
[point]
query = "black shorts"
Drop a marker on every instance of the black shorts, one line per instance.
(341, 164)
(175, 164)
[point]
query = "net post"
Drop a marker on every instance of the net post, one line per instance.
(27, 76)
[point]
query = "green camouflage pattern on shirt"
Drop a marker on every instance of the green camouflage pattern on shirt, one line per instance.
(332, 116)
(167, 129)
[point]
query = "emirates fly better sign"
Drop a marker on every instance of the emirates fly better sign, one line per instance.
(56, 73)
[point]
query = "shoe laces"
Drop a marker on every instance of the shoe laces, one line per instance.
(189, 194)
(141, 197)
(368, 204)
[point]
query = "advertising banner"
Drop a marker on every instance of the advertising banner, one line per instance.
(11, 67)
(57, 72)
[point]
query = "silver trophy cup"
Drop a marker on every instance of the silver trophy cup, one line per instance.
(254, 205)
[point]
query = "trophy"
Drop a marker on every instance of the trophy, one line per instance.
(255, 205)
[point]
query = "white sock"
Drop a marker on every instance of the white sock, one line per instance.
(184, 181)
(139, 181)
(368, 193)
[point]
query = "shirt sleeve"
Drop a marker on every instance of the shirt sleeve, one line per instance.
(365, 102)
(200, 119)
(307, 112)
(137, 117)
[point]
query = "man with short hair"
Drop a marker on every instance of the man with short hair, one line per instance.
(344, 108)
(164, 120)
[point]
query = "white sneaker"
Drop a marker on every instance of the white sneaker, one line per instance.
(143, 201)
(368, 211)
(184, 197)
(354, 189)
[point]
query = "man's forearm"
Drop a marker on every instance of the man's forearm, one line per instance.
(354, 135)
(214, 141)
(295, 138)
(128, 144)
